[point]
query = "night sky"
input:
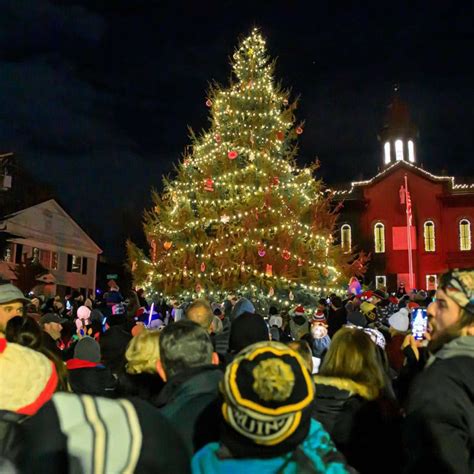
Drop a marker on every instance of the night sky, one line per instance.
(96, 96)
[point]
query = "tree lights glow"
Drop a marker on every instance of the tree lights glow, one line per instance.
(241, 216)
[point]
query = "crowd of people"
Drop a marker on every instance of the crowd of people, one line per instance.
(122, 385)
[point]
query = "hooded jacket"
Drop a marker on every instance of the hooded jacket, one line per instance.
(190, 401)
(359, 423)
(315, 454)
(90, 378)
(439, 428)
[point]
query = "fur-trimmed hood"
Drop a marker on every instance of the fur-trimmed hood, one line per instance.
(353, 388)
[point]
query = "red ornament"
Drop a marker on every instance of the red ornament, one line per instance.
(286, 254)
(203, 267)
(167, 245)
(280, 135)
(299, 130)
(261, 251)
(269, 270)
(209, 102)
(217, 138)
(275, 180)
(232, 155)
(153, 250)
(209, 185)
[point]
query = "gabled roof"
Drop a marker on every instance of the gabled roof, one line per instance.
(66, 232)
(450, 180)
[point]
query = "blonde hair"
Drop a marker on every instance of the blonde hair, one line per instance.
(143, 352)
(352, 355)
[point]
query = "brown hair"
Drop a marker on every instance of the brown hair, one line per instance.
(352, 355)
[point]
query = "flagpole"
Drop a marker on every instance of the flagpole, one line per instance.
(410, 256)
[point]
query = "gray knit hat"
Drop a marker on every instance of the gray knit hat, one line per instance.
(87, 349)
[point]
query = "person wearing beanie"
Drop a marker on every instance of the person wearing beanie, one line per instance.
(86, 373)
(399, 323)
(267, 397)
(439, 427)
(245, 330)
(299, 324)
(28, 380)
(12, 304)
(337, 315)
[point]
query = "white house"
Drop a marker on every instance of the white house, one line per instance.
(49, 234)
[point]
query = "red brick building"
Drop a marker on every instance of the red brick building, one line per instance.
(374, 218)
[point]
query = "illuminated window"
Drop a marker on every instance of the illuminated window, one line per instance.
(411, 151)
(465, 242)
(386, 149)
(429, 236)
(346, 238)
(379, 237)
(399, 150)
(381, 282)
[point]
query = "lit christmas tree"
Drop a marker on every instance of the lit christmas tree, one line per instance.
(241, 217)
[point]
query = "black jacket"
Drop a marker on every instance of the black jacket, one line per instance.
(190, 401)
(364, 429)
(336, 319)
(439, 427)
(145, 386)
(80, 433)
(9, 443)
(52, 346)
(113, 345)
(90, 379)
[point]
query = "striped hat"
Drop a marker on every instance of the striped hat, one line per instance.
(267, 392)
(28, 379)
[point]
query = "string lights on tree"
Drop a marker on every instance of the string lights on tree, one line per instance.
(240, 216)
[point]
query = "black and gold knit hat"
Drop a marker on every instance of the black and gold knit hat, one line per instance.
(267, 390)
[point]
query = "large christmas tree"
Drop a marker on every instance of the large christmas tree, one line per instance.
(240, 216)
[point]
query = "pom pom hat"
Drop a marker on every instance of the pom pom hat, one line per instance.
(267, 397)
(28, 379)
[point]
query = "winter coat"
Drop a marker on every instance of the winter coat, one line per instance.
(9, 443)
(439, 427)
(359, 423)
(336, 319)
(190, 401)
(52, 346)
(90, 378)
(145, 386)
(299, 326)
(317, 450)
(81, 433)
(113, 345)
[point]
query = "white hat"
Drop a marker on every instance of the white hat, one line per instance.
(276, 320)
(400, 320)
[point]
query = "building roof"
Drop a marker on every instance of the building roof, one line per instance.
(64, 230)
(353, 192)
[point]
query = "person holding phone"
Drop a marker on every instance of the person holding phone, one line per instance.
(439, 427)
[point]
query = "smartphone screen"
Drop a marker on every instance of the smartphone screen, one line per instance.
(419, 323)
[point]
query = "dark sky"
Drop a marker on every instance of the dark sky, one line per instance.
(96, 96)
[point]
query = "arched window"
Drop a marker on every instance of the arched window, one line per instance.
(399, 150)
(386, 149)
(411, 151)
(429, 236)
(465, 242)
(379, 237)
(346, 238)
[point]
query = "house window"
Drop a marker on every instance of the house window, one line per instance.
(381, 282)
(411, 151)
(429, 236)
(346, 238)
(54, 260)
(8, 253)
(76, 264)
(386, 149)
(399, 150)
(431, 282)
(379, 237)
(35, 254)
(465, 242)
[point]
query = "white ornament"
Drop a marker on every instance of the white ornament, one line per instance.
(225, 218)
